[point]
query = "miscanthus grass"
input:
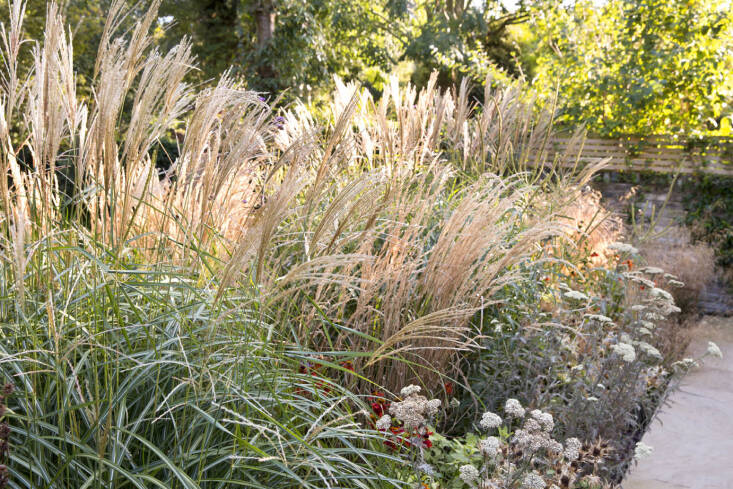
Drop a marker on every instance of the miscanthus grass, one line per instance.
(169, 327)
(132, 379)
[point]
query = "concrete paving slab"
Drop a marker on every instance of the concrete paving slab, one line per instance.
(693, 437)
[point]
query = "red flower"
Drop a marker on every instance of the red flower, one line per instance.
(378, 409)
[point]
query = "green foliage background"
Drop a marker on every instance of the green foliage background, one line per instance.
(619, 67)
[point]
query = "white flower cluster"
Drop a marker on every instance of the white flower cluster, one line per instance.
(468, 474)
(642, 450)
(657, 292)
(414, 410)
(518, 459)
(572, 449)
(384, 423)
(535, 434)
(686, 363)
(625, 350)
(545, 419)
(623, 248)
(644, 331)
(649, 350)
(409, 390)
(490, 421)
(599, 317)
(514, 409)
(533, 480)
(576, 295)
(489, 447)
(652, 270)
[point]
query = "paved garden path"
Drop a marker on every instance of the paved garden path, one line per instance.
(693, 444)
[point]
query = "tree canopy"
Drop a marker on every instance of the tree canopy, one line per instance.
(639, 66)
(619, 66)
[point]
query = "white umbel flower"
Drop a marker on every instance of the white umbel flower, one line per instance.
(623, 248)
(409, 390)
(490, 420)
(572, 449)
(533, 481)
(714, 350)
(649, 350)
(384, 423)
(574, 294)
(468, 474)
(657, 292)
(652, 270)
(544, 419)
(514, 408)
(489, 447)
(642, 450)
(686, 363)
(626, 351)
(599, 317)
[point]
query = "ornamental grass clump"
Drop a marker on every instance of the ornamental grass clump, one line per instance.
(138, 382)
(383, 228)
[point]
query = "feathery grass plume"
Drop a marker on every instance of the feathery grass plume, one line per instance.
(391, 245)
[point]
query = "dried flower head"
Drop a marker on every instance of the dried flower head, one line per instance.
(576, 295)
(623, 248)
(657, 292)
(652, 270)
(414, 411)
(649, 350)
(686, 363)
(599, 317)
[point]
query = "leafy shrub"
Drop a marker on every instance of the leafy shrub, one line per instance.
(582, 343)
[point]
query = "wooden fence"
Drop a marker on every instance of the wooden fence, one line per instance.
(665, 154)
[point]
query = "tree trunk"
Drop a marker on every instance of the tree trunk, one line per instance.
(264, 16)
